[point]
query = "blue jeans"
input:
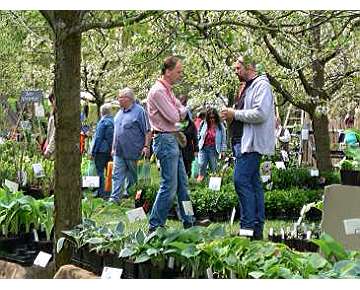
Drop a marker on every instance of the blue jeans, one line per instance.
(207, 155)
(101, 160)
(124, 176)
(249, 189)
(173, 181)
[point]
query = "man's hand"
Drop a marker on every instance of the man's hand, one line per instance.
(227, 114)
(146, 151)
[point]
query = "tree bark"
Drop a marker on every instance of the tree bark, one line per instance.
(322, 142)
(67, 152)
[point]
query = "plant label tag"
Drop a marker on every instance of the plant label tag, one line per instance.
(271, 232)
(136, 214)
(42, 259)
(111, 273)
(305, 134)
(171, 263)
(12, 186)
(265, 178)
(232, 216)
(314, 172)
(39, 110)
(308, 235)
(232, 275)
(36, 236)
(215, 183)
(285, 156)
(188, 208)
(22, 177)
(266, 168)
(246, 233)
(280, 165)
(282, 232)
(209, 273)
(2, 140)
(38, 170)
(352, 226)
(90, 181)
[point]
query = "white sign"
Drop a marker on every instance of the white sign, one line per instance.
(271, 232)
(305, 134)
(232, 216)
(352, 226)
(285, 155)
(12, 186)
(209, 273)
(265, 178)
(314, 172)
(111, 273)
(136, 214)
(42, 259)
(245, 232)
(282, 232)
(90, 181)
(39, 110)
(38, 170)
(215, 183)
(280, 165)
(22, 177)
(188, 208)
(36, 236)
(308, 235)
(2, 140)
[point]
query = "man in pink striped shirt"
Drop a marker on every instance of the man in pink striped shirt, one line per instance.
(165, 110)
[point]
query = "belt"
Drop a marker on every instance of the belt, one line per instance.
(156, 132)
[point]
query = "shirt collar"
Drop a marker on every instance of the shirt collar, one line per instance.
(164, 82)
(130, 108)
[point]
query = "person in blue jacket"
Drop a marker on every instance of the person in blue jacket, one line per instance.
(102, 144)
(212, 142)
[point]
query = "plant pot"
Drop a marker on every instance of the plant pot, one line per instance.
(350, 177)
(131, 270)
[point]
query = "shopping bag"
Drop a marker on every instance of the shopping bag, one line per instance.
(143, 171)
(195, 168)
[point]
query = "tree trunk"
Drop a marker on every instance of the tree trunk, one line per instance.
(322, 142)
(67, 152)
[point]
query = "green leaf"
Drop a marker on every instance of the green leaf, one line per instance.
(152, 251)
(190, 252)
(179, 245)
(317, 261)
(256, 274)
(126, 252)
(120, 228)
(140, 236)
(142, 258)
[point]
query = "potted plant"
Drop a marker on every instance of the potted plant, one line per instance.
(350, 167)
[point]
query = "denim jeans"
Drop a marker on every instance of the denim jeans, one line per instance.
(207, 155)
(249, 189)
(101, 160)
(173, 181)
(124, 176)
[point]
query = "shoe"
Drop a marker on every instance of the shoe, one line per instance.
(203, 223)
(200, 178)
(114, 201)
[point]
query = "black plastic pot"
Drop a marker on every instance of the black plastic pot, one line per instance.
(350, 177)
(131, 270)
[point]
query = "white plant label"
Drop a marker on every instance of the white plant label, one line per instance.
(39, 110)
(91, 181)
(232, 275)
(305, 134)
(12, 186)
(215, 183)
(136, 214)
(232, 216)
(282, 232)
(111, 273)
(352, 226)
(280, 165)
(284, 155)
(314, 172)
(265, 178)
(246, 233)
(36, 236)
(42, 259)
(209, 273)
(171, 263)
(38, 170)
(22, 177)
(188, 208)
(271, 232)
(308, 235)
(2, 140)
